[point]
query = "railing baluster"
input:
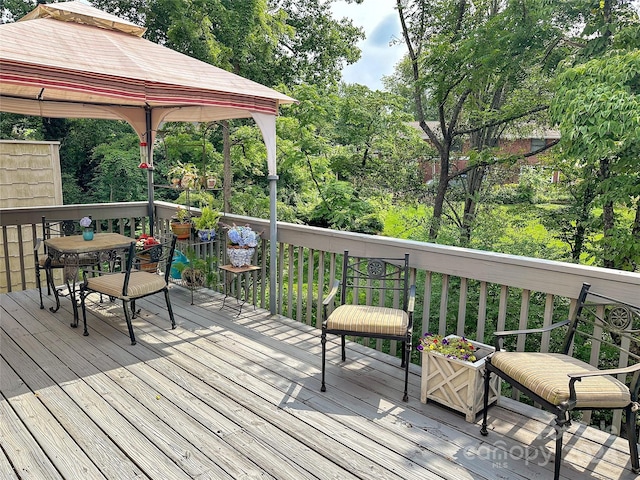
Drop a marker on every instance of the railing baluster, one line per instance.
(300, 284)
(462, 307)
(310, 265)
(290, 270)
(548, 320)
(482, 312)
(524, 318)
(426, 303)
(444, 304)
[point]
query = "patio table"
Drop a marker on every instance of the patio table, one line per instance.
(105, 247)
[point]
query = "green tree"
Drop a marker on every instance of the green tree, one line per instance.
(597, 107)
(479, 66)
(117, 177)
(599, 91)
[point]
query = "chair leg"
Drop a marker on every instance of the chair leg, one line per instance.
(127, 316)
(39, 284)
(49, 281)
(405, 357)
(323, 340)
(560, 423)
(83, 294)
(633, 438)
(485, 407)
(169, 308)
(344, 348)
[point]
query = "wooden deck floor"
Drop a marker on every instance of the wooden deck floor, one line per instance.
(225, 397)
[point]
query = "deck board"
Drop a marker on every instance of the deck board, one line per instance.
(239, 397)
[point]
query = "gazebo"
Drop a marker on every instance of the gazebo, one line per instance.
(70, 60)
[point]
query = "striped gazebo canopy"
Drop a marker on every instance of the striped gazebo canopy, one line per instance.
(71, 60)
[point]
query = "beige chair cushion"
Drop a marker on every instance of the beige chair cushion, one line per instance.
(546, 375)
(140, 284)
(368, 319)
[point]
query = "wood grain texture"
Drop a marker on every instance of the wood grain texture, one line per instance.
(239, 397)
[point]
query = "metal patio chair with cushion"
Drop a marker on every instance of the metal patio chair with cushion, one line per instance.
(54, 229)
(602, 331)
(145, 273)
(376, 301)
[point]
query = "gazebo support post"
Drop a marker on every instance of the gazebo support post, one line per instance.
(273, 235)
(150, 193)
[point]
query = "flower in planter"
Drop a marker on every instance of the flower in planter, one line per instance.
(85, 222)
(242, 236)
(145, 242)
(456, 347)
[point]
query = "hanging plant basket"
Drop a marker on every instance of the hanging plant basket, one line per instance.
(193, 277)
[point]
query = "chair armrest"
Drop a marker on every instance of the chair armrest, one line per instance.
(412, 299)
(499, 335)
(332, 293)
(610, 371)
(577, 377)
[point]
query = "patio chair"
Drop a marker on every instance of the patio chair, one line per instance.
(603, 331)
(145, 273)
(376, 301)
(49, 230)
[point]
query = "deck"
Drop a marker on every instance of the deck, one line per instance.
(239, 397)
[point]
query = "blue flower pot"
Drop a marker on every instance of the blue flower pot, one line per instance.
(207, 235)
(87, 234)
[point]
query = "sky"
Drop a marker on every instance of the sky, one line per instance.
(379, 20)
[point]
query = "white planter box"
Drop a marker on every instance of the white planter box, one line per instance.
(458, 384)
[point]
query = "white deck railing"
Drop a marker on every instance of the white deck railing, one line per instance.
(463, 291)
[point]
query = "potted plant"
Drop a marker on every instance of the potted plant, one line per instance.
(184, 175)
(242, 244)
(148, 252)
(452, 368)
(193, 274)
(181, 223)
(206, 224)
(87, 231)
(196, 272)
(210, 179)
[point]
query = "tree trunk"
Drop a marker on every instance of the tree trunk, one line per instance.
(438, 204)
(475, 178)
(581, 222)
(608, 218)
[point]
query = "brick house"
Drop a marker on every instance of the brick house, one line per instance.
(508, 144)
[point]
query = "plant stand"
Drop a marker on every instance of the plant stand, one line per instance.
(457, 384)
(244, 274)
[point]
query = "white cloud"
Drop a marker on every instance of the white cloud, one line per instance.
(381, 25)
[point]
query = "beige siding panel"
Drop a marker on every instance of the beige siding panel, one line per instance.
(29, 177)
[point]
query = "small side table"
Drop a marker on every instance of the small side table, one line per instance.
(230, 273)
